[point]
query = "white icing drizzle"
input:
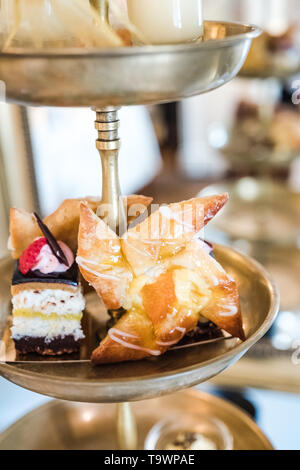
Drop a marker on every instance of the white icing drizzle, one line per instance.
(133, 236)
(116, 248)
(229, 311)
(112, 334)
(170, 343)
(102, 276)
(180, 329)
(122, 333)
(140, 252)
(80, 259)
(105, 267)
(152, 242)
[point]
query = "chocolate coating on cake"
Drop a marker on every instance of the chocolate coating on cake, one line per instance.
(70, 277)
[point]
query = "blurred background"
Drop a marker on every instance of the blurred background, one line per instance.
(244, 139)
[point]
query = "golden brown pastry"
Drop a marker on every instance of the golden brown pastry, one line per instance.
(125, 35)
(63, 223)
(161, 275)
(168, 230)
(100, 259)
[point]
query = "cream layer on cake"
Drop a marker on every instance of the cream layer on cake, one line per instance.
(50, 301)
(47, 313)
(48, 329)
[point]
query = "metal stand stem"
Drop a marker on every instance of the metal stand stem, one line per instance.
(108, 144)
(126, 427)
(102, 7)
(112, 211)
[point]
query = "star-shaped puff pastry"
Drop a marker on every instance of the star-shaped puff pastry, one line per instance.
(161, 274)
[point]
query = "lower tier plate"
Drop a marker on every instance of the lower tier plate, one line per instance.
(175, 370)
(72, 426)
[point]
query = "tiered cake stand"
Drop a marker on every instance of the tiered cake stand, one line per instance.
(106, 80)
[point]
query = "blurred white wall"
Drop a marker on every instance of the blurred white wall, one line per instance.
(274, 15)
(67, 163)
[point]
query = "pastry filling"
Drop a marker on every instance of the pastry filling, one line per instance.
(186, 292)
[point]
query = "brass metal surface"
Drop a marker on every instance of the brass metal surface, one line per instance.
(126, 427)
(108, 144)
(173, 371)
(70, 426)
(130, 75)
(102, 7)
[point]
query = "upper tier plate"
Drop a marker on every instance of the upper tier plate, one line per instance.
(173, 371)
(130, 75)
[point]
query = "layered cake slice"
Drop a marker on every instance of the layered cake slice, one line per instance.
(47, 299)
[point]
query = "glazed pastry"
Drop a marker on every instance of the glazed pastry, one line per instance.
(63, 223)
(47, 298)
(168, 230)
(101, 261)
(160, 277)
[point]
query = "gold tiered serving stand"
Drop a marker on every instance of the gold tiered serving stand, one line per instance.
(107, 79)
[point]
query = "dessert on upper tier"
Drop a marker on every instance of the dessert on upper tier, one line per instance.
(46, 292)
(47, 300)
(159, 281)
